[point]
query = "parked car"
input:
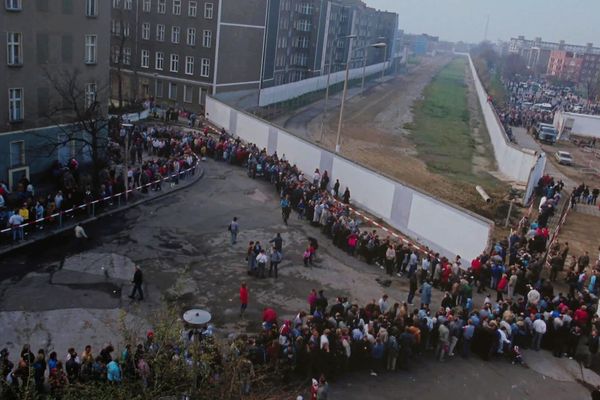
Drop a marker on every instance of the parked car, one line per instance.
(546, 133)
(564, 157)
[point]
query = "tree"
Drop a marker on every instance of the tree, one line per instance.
(513, 66)
(592, 87)
(79, 115)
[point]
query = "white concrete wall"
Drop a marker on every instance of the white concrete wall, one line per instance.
(514, 162)
(292, 90)
(443, 227)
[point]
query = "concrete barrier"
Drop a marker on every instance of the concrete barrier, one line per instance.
(292, 90)
(515, 162)
(437, 224)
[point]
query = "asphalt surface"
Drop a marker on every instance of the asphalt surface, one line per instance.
(57, 295)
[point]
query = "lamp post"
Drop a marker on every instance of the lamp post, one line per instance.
(383, 67)
(127, 127)
(324, 114)
(339, 130)
(377, 46)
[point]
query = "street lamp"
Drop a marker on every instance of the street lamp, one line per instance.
(380, 45)
(329, 76)
(127, 127)
(339, 130)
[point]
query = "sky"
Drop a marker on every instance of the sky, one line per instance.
(575, 21)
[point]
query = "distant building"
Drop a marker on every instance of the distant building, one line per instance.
(178, 51)
(304, 38)
(565, 65)
(421, 44)
(42, 39)
(590, 68)
(537, 52)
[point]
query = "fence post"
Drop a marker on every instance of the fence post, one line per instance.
(60, 214)
(93, 209)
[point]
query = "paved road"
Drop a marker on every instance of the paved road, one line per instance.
(57, 295)
(526, 140)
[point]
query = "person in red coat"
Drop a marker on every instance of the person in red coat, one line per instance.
(243, 298)
(269, 317)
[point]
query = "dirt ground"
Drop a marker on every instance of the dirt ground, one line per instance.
(582, 231)
(374, 134)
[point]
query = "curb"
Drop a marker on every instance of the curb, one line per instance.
(23, 244)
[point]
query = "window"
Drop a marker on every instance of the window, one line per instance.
(91, 8)
(205, 70)
(13, 5)
(305, 8)
(146, 31)
(160, 32)
(175, 34)
(188, 93)
(158, 89)
(90, 49)
(208, 10)
(90, 94)
(159, 60)
(147, 6)
(115, 27)
(126, 29)
(191, 36)
(192, 8)
(303, 25)
(172, 90)
(127, 4)
(145, 62)
(116, 3)
(189, 65)
(161, 6)
(174, 67)
(176, 7)
(126, 55)
(17, 153)
(15, 105)
(14, 48)
(207, 38)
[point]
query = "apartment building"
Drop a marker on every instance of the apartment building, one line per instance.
(178, 51)
(305, 38)
(40, 40)
(537, 52)
(565, 65)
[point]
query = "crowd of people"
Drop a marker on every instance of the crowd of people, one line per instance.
(156, 155)
(328, 339)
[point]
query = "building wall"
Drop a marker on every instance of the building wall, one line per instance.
(53, 46)
(142, 76)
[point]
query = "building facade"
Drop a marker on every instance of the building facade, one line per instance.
(565, 65)
(306, 38)
(537, 53)
(178, 51)
(37, 55)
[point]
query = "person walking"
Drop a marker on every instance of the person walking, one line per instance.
(244, 295)
(275, 260)
(234, 229)
(137, 283)
(261, 261)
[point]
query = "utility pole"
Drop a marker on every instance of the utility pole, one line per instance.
(127, 127)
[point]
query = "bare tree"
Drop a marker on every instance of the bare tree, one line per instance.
(80, 117)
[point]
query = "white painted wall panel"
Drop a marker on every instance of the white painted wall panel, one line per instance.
(299, 152)
(292, 90)
(442, 224)
(252, 130)
(368, 188)
(218, 112)
(512, 161)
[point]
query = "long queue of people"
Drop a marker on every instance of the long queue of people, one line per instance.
(158, 156)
